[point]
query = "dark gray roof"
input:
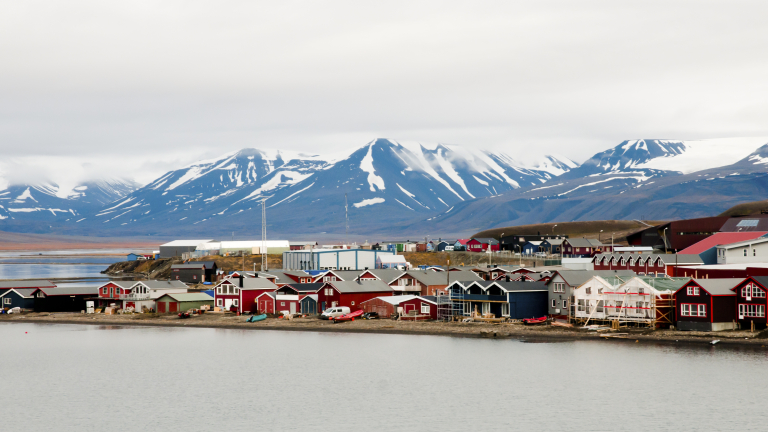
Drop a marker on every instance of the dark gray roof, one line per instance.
(162, 284)
(195, 265)
(251, 283)
(23, 292)
(522, 286)
(70, 291)
(26, 284)
(362, 286)
(305, 287)
(387, 275)
(719, 286)
(487, 240)
(430, 277)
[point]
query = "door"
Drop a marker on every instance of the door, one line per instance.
(227, 304)
(293, 308)
(486, 308)
(173, 307)
(322, 307)
(160, 307)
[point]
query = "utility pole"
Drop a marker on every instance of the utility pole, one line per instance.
(346, 220)
(264, 263)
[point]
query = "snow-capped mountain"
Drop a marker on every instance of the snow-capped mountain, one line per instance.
(385, 181)
(51, 202)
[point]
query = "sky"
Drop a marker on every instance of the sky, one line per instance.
(134, 89)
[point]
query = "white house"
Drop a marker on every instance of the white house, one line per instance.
(748, 251)
(630, 301)
(392, 262)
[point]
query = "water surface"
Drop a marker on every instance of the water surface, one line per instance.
(94, 378)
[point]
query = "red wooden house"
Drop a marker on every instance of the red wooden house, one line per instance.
(482, 245)
(266, 303)
(751, 302)
(648, 264)
(706, 305)
(424, 307)
(239, 294)
(350, 294)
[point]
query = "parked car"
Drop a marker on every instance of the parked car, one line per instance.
(540, 254)
(334, 312)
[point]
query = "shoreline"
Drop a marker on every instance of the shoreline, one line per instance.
(462, 330)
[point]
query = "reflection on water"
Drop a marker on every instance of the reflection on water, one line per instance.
(51, 271)
(218, 379)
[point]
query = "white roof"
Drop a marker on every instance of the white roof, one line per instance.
(740, 266)
(386, 258)
(186, 242)
(395, 300)
(242, 244)
(535, 242)
(633, 249)
(743, 243)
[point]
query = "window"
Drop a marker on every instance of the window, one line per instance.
(559, 287)
(6, 301)
(752, 290)
(745, 252)
(580, 305)
(40, 295)
(220, 302)
(353, 303)
(554, 304)
(751, 310)
(754, 252)
(599, 290)
(505, 309)
(237, 290)
(565, 304)
(641, 291)
(693, 310)
(193, 277)
(218, 290)
(467, 308)
(693, 291)
(589, 290)
(425, 308)
(234, 302)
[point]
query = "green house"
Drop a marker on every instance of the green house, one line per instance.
(182, 302)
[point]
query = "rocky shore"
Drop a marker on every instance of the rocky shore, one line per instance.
(386, 326)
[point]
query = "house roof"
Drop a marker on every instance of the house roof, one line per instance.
(555, 242)
(384, 274)
(187, 297)
(578, 277)
(208, 265)
(680, 259)
(721, 238)
(429, 277)
(39, 283)
(746, 223)
(665, 283)
(596, 242)
(394, 300)
(535, 242)
(22, 292)
(719, 286)
(70, 291)
(361, 286)
(513, 286)
(391, 259)
(312, 296)
(462, 242)
(744, 243)
(486, 240)
(305, 287)
(580, 242)
(162, 284)
(185, 243)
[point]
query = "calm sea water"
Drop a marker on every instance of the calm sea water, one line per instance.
(90, 378)
(59, 266)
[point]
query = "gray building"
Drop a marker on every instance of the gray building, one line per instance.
(332, 259)
(560, 287)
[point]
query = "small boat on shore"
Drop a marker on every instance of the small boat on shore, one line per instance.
(349, 316)
(532, 321)
(256, 318)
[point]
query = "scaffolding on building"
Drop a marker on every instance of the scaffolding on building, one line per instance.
(450, 303)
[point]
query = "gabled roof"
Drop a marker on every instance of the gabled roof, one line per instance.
(462, 242)
(385, 275)
(39, 283)
(580, 242)
(361, 286)
(162, 284)
(486, 240)
(762, 280)
(391, 259)
(305, 287)
(741, 244)
(575, 278)
(187, 297)
(535, 242)
(665, 283)
(68, 291)
(596, 242)
(555, 242)
(429, 277)
(721, 238)
(394, 300)
(669, 259)
(520, 286)
(22, 292)
(719, 286)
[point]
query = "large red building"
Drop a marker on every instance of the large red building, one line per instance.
(350, 293)
(645, 264)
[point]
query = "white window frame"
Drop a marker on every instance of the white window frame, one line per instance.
(486, 308)
(234, 302)
(467, 308)
(7, 300)
(424, 308)
(565, 304)
(554, 304)
(693, 291)
(220, 302)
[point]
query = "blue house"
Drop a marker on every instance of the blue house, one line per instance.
(23, 298)
(308, 304)
(133, 257)
(531, 247)
(526, 299)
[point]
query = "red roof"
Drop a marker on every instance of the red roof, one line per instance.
(462, 242)
(721, 238)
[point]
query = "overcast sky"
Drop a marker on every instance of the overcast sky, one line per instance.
(137, 88)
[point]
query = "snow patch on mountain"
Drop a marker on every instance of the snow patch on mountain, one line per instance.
(368, 202)
(698, 155)
(367, 165)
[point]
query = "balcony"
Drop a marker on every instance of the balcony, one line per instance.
(127, 297)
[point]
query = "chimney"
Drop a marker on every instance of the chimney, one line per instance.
(240, 281)
(507, 277)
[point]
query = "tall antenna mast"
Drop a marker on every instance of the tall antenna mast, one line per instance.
(346, 220)
(263, 235)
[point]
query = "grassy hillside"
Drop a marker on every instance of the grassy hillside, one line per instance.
(747, 208)
(589, 229)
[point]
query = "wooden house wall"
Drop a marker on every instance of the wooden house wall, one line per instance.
(760, 322)
(61, 303)
(682, 297)
(527, 304)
